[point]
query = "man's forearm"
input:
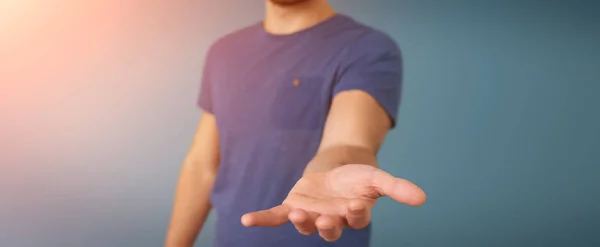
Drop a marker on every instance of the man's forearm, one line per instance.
(191, 208)
(332, 157)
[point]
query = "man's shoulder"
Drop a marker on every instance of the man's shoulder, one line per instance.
(362, 35)
(233, 39)
(365, 40)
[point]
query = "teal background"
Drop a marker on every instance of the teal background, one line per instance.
(499, 123)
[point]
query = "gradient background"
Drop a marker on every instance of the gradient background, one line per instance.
(500, 120)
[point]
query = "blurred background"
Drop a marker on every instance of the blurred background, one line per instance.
(499, 123)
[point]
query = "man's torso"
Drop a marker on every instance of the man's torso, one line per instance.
(271, 95)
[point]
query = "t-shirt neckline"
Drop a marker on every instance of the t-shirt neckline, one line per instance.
(313, 28)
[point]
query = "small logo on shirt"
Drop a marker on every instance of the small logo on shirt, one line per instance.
(296, 83)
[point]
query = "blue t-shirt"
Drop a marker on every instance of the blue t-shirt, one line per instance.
(271, 95)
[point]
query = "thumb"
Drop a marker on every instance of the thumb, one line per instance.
(400, 190)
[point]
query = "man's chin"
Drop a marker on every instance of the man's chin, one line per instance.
(288, 2)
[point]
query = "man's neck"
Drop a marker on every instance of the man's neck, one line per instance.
(289, 19)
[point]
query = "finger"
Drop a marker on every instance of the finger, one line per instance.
(275, 216)
(358, 214)
(303, 221)
(330, 227)
(398, 189)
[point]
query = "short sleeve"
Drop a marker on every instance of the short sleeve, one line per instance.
(205, 98)
(373, 64)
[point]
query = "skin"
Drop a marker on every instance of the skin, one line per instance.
(290, 16)
(340, 185)
(196, 179)
(288, 3)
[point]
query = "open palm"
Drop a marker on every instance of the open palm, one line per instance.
(343, 197)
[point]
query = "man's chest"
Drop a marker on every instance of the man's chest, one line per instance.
(284, 90)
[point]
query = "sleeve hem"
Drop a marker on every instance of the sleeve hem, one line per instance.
(389, 110)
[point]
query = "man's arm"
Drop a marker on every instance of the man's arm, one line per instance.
(198, 173)
(355, 129)
(365, 104)
(341, 183)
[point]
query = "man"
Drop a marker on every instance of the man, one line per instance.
(295, 109)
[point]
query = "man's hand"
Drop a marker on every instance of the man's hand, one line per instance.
(329, 201)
